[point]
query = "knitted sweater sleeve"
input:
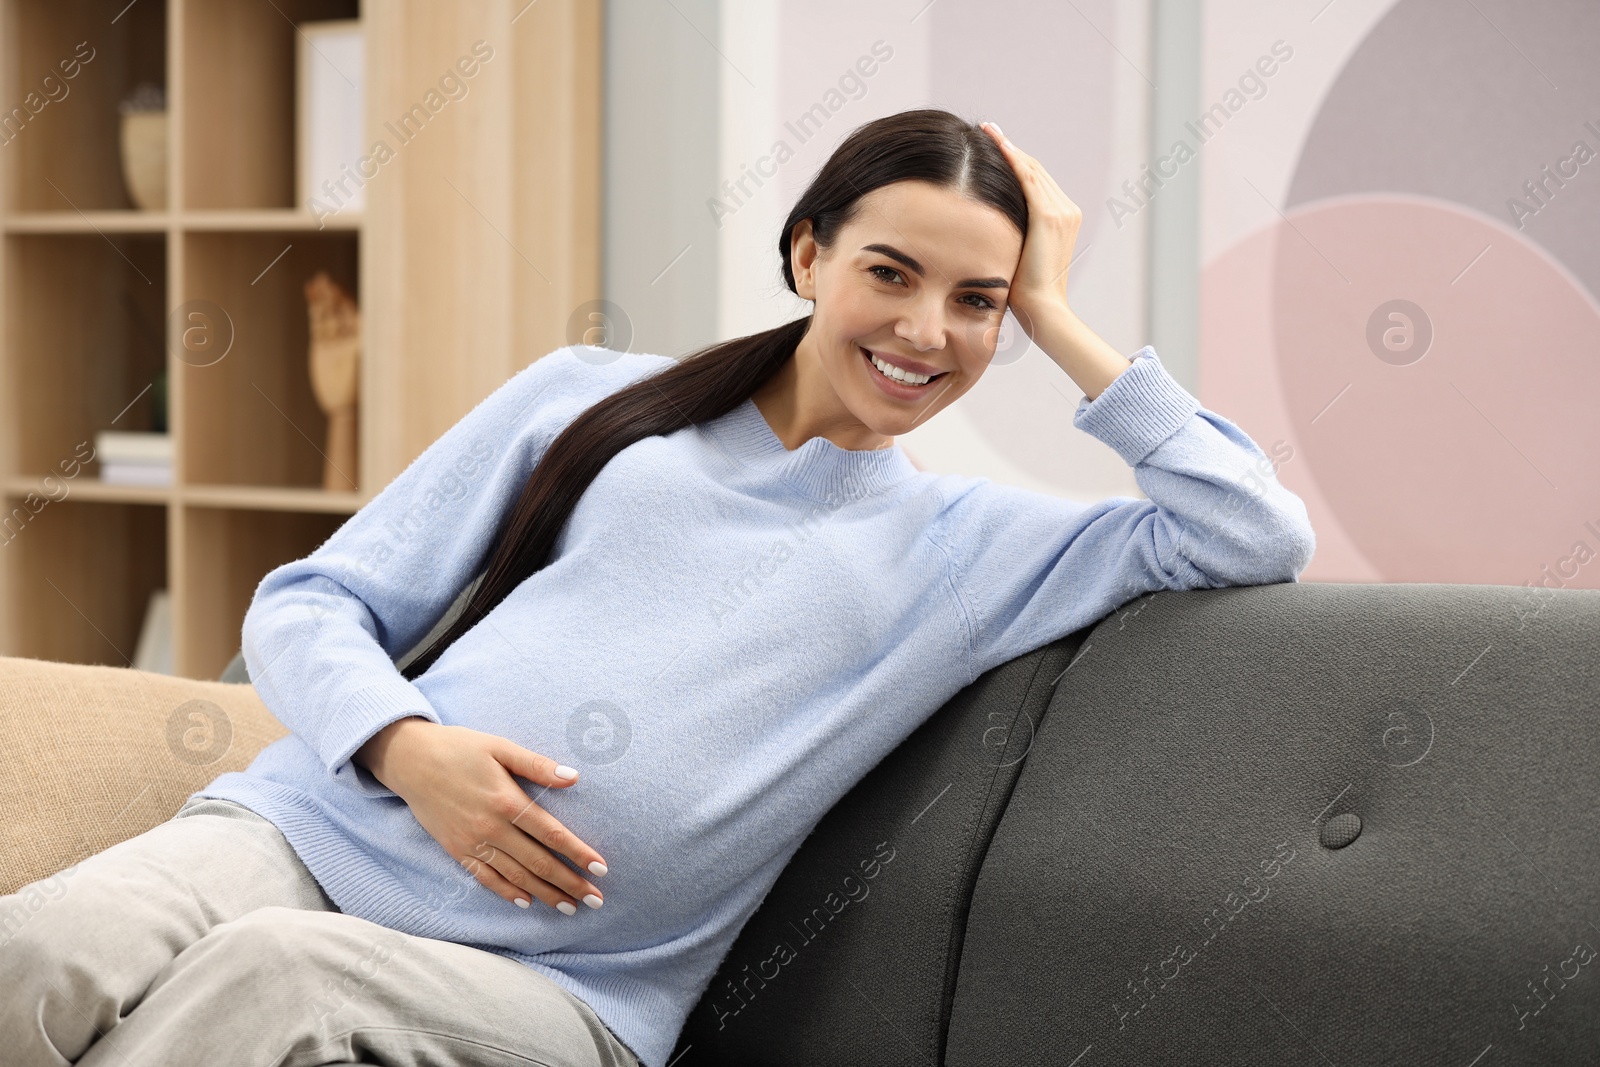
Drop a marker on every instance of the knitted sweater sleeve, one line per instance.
(1029, 568)
(321, 633)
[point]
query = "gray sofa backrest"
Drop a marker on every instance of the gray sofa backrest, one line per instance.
(1299, 823)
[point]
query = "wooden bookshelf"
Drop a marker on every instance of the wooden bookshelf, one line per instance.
(478, 239)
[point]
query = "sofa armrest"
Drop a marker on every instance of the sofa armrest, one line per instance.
(93, 755)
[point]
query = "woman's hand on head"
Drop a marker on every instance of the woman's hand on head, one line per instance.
(1040, 284)
(458, 784)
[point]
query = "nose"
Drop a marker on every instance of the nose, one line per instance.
(923, 326)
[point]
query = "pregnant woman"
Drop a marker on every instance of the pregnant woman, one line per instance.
(712, 593)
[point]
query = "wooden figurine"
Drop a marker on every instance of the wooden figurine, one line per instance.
(335, 374)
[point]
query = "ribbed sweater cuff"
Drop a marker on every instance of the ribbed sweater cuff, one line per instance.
(362, 714)
(1143, 407)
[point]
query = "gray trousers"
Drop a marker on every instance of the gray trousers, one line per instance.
(205, 940)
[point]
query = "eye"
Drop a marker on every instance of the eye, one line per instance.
(983, 303)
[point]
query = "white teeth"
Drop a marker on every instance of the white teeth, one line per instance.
(889, 370)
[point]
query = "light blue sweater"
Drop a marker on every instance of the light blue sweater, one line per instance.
(729, 635)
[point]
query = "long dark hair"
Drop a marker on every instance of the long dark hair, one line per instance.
(929, 145)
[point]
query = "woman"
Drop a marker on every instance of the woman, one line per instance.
(714, 594)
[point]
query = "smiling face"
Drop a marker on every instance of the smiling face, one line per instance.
(919, 279)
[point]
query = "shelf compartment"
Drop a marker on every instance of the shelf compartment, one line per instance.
(251, 418)
(227, 553)
(85, 343)
(64, 143)
(81, 576)
(239, 98)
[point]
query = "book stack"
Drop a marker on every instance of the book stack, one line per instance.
(132, 458)
(331, 117)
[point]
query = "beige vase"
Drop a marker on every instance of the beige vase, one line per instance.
(144, 158)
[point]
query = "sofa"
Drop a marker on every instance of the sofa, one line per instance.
(1299, 823)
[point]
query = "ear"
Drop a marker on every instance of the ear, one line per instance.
(802, 260)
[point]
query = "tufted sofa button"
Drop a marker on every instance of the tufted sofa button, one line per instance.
(1340, 830)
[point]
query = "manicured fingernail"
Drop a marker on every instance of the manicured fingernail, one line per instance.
(566, 907)
(997, 129)
(592, 900)
(563, 771)
(598, 868)
(519, 902)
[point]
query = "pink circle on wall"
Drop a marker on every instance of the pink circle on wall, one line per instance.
(1440, 371)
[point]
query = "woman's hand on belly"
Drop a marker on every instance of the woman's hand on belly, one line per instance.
(458, 784)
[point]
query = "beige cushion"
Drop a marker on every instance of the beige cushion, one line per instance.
(91, 755)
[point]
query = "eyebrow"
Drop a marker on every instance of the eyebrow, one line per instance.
(900, 257)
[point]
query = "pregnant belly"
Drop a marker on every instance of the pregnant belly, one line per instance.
(682, 865)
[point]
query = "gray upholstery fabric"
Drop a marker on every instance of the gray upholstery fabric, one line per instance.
(1175, 880)
(872, 906)
(235, 671)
